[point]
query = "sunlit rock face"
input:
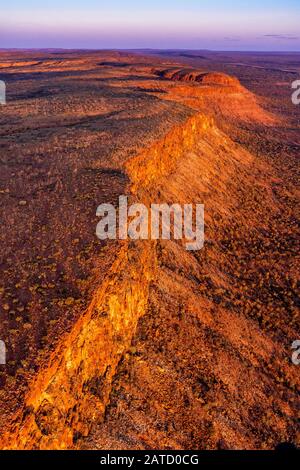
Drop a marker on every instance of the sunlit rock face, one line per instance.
(142, 344)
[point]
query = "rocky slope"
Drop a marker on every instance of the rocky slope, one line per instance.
(183, 349)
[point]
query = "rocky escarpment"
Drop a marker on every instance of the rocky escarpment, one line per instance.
(216, 93)
(192, 75)
(209, 366)
(71, 393)
(177, 349)
(209, 343)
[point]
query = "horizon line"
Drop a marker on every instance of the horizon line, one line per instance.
(141, 49)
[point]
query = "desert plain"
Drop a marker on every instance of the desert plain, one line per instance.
(123, 344)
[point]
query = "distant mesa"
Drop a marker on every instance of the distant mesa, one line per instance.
(217, 79)
(222, 94)
(192, 75)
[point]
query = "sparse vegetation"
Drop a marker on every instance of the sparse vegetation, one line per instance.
(209, 364)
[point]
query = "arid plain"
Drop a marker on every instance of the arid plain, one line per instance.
(142, 344)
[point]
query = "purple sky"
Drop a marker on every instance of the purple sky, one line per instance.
(196, 24)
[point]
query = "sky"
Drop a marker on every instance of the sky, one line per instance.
(255, 25)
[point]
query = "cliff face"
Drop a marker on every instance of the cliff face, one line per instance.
(218, 94)
(176, 349)
(206, 78)
(209, 366)
(71, 394)
(193, 328)
(161, 159)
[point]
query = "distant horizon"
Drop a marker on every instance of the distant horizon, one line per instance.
(146, 49)
(219, 25)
